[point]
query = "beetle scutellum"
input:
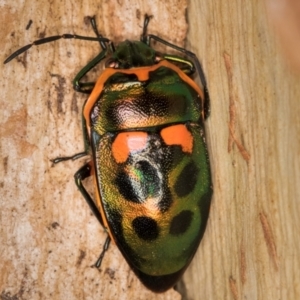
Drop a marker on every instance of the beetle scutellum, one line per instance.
(143, 126)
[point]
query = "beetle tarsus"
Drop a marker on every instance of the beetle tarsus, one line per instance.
(101, 256)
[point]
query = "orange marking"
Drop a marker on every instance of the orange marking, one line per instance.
(142, 73)
(127, 142)
(178, 135)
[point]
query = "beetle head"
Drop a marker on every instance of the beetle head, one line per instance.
(132, 54)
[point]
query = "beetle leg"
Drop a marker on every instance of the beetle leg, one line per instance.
(86, 142)
(145, 26)
(182, 60)
(98, 34)
(105, 248)
(87, 87)
(189, 69)
(79, 176)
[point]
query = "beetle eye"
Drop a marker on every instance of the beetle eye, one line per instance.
(158, 56)
(111, 63)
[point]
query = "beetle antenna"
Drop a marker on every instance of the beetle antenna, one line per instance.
(49, 39)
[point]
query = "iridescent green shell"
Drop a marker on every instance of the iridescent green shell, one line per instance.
(155, 194)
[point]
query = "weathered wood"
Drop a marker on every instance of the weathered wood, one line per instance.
(49, 239)
(251, 248)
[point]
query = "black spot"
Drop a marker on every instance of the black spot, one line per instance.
(125, 187)
(187, 180)
(181, 222)
(166, 201)
(146, 228)
(174, 156)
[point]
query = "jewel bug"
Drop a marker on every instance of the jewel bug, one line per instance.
(143, 127)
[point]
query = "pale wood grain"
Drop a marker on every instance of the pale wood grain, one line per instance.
(251, 247)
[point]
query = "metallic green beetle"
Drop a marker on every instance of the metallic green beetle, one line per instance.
(143, 126)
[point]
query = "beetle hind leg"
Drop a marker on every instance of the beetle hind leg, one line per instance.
(83, 173)
(101, 256)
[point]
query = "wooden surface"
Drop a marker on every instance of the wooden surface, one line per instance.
(49, 238)
(251, 247)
